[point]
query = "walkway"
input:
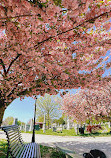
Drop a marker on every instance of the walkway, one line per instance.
(78, 145)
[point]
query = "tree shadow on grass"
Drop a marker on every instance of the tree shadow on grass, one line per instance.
(46, 152)
(3, 148)
(49, 152)
(80, 147)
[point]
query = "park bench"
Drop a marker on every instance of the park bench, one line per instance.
(16, 147)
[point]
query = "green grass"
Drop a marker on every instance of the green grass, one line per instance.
(65, 132)
(3, 148)
(71, 132)
(46, 152)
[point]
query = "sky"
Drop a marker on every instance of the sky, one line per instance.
(23, 110)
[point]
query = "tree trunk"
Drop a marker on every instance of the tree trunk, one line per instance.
(48, 119)
(110, 126)
(2, 110)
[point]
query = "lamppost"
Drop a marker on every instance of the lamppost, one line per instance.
(33, 135)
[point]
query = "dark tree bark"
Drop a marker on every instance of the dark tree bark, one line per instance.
(2, 110)
(3, 106)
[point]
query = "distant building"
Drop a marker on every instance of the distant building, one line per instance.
(39, 123)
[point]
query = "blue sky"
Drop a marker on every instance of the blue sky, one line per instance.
(23, 110)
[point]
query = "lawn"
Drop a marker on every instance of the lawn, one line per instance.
(71, 132)
(3, 148)
(65, 132)
(46, 152)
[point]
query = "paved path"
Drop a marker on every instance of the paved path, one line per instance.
(77, 144)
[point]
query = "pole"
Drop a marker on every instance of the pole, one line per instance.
(33, 134)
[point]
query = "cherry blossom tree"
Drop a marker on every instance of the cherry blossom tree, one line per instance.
(45, 44)
(88, 103)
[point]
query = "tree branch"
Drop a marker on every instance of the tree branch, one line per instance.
(89, 20)
(13, 62)
(12, 92)
(3, 65)
(26, 91)
(39, 43)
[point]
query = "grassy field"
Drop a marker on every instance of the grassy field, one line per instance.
(65, 132)
(46, 152)
(71, 132)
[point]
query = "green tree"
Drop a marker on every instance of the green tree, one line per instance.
(40, 118)
(8, 121)
(59, 121)
(47, 105)
(19, 123)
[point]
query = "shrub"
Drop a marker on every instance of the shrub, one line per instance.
(93, 128)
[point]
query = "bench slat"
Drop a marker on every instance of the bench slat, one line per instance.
(13, 139)
(32, 150)
(16, 138)
(9, 128)
(31, 153)
(10, 136)
(12, 131)
(16, 145)
(12, 144)
(24, 151)
(28, 151)
(36, 149)
(16, 150)
(13, 135)
(18, 154)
